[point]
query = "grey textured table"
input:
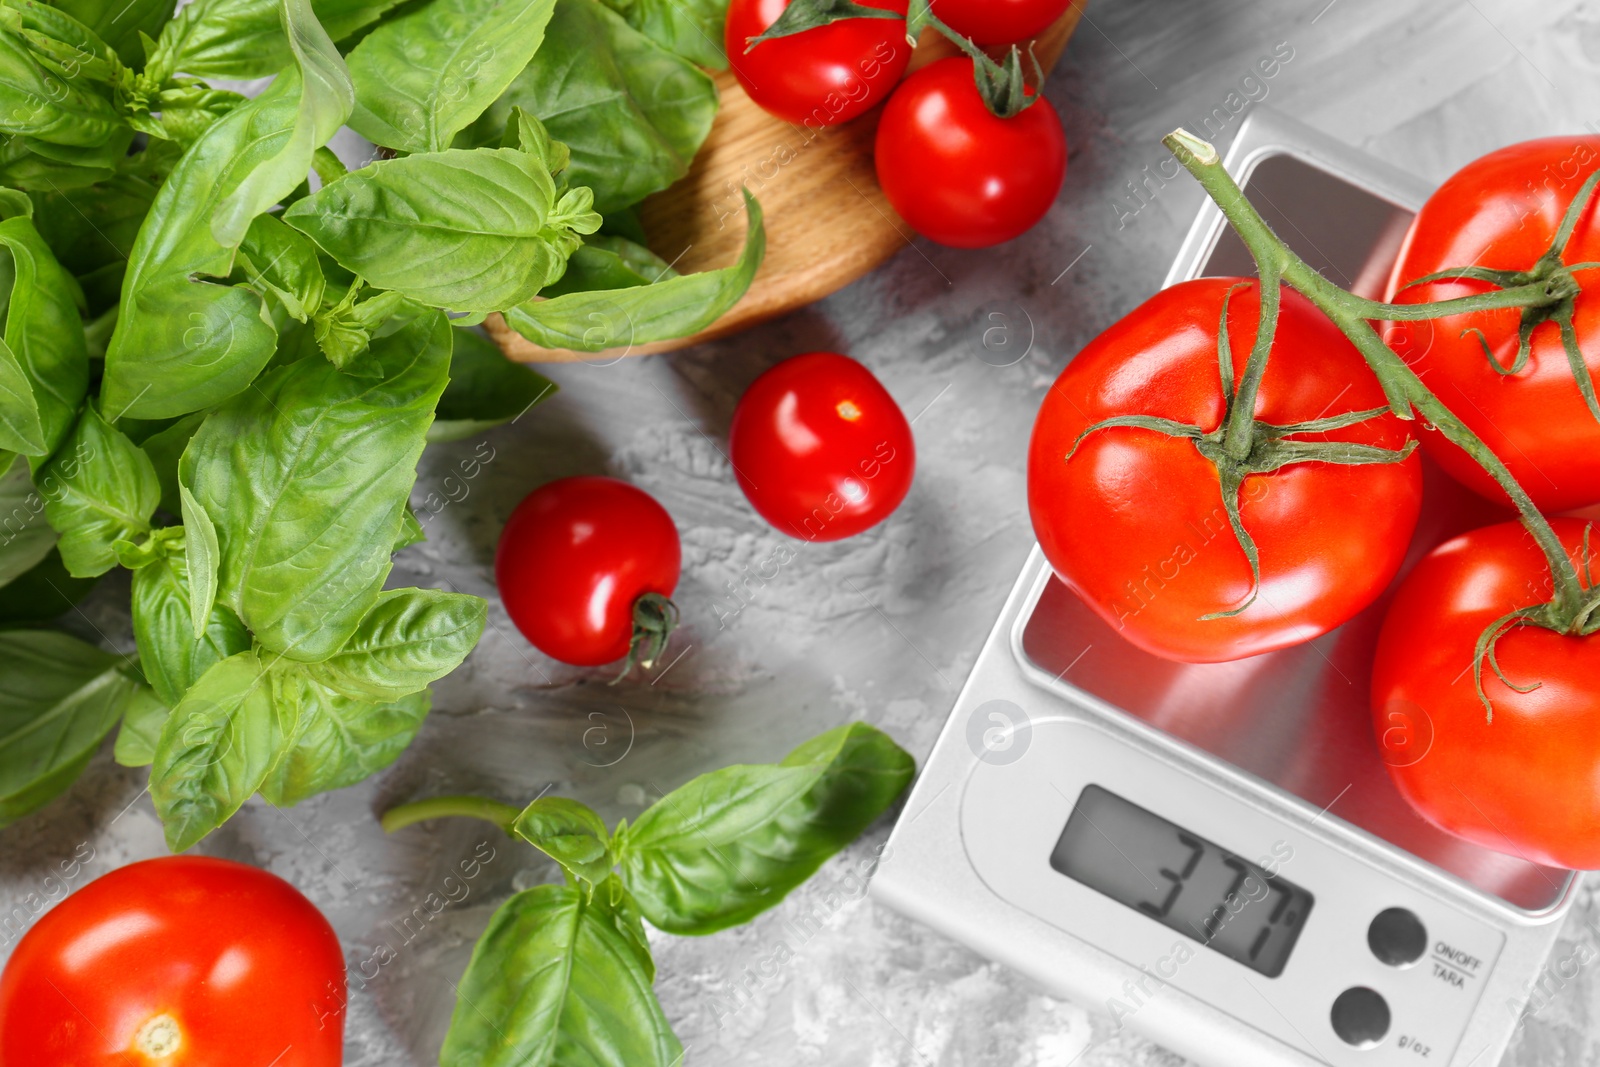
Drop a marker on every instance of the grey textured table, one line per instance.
(883, 627)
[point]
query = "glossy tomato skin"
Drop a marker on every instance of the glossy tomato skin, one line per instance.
(820, 448)
(821, 76)
(1502, 212)
(958, 173)
(1000, 21)
(1134, 522)
(1528, 782)
(574, 558)
(245, 969)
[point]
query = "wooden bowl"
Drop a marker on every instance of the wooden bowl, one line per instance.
(828, 222)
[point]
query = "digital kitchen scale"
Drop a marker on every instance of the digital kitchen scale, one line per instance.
(1214, 855)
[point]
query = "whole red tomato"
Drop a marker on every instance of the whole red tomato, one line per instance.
(1502, 212)
(184, 961)
(820, 76)
(1000, 21)
(820, 448)
(1134, 522)
(575, 560)
(1526, 782)
(960, 174)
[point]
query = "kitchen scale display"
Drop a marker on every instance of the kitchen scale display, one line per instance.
(1214, 855)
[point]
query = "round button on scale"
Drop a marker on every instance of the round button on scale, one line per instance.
(1360, 1017)
(1397, 937)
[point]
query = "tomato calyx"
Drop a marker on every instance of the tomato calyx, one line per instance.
(654, 619)
(1548, 616)
(803, 15)
(1002, 86)
(1242, 445)
(1561, 290)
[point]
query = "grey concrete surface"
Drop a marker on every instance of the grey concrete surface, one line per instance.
(883, 627)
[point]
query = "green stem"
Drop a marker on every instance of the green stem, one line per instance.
(1350, 313)
(502, 815)
(1241, 436)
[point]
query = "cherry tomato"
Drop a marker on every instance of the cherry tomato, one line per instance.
(958, 173)
(1527, 781)
(184, 961)
(1000, 21)
(1134, 521)
(820, 448)
(820, 76)
(574, 562)
(1502, 212)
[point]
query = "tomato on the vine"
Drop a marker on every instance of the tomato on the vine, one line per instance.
(1135, 520)
(1526, 780)
(1502, 212)
(184, 961)
(821, 76)
(957, 172)
(585, 567)
(1000, 21)
(820, 448)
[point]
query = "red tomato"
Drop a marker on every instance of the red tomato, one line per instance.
(1000, 21)
(820, 448)
(575, 558)
(1134, 522)
(185, 961)
(1528, 782)
(821, 76)
(1502, 212)
(958, 173)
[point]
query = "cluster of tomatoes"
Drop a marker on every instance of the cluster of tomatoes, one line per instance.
(1131, 517)
(586, 565)
(955, 170)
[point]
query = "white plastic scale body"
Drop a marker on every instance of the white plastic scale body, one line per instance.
(1214, 855)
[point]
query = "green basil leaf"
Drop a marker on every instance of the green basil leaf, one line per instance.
(306, 477)
(411, 531)
(326, 99)
(569, 833)
(44, 342)
(555, 981)
(164, 449)
(244, 39)
(465, 230)
(631, 112)
(486, 389)
(609, 262)
(202, 556)
(691, 28)
(58, 699)
(181, 343)
(173, 653)
(41, 593)
(44, 104)
(410, 639)
(425, 75)
(26, 536)
(23, 168)
(620, 318)
(733, 843)
(120, 22)
(92, 230)
(282, 261)
(218, 746)
(99, 489)
(61, 41)
(142, 720)
(342, 742)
